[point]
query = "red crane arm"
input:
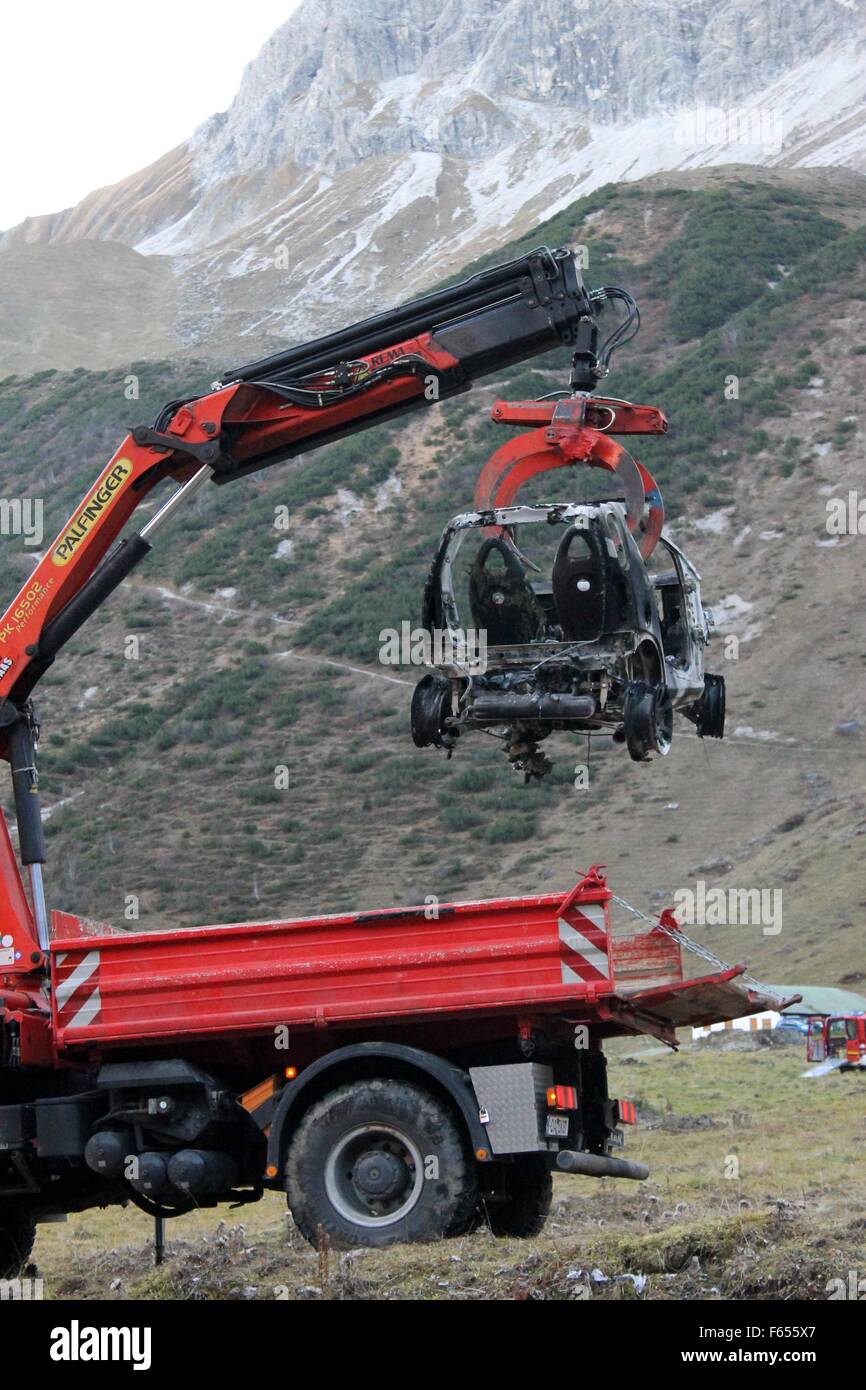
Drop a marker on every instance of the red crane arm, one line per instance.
(220, 435)
(277, 407)
(272, 409)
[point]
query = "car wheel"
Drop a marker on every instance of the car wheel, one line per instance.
(648, 720)
(431, 704)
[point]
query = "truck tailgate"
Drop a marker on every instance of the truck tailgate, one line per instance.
(706, 999)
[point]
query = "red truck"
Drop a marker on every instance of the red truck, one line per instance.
(400, 1074)
(839, 1040)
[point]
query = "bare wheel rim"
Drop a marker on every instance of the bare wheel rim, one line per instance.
(374, 1175)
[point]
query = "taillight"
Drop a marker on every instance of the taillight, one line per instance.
(561, 1098)
(625, 1112)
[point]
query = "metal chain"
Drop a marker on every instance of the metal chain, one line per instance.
(693, 946)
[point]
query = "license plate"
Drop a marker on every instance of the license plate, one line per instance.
(557, 1127)
(616, 1139)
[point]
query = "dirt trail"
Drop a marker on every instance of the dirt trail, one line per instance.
(209, 606)
(342, 666)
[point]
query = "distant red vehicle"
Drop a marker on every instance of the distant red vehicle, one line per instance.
(838, 1037)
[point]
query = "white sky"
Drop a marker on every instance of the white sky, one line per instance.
(92, 90)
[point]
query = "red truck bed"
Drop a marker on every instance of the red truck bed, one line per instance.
(527, 956)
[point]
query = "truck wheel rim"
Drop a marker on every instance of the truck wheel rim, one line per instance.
(374, 1175)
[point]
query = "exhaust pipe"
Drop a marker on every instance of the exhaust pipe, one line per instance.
(600, 1165)
(504, 706)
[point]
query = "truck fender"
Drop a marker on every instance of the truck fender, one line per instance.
(362, 1060)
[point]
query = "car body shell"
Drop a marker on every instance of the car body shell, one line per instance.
(602, 623)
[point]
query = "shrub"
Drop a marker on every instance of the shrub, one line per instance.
(509, 828)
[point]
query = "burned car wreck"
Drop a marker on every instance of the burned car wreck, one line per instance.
(597, 641)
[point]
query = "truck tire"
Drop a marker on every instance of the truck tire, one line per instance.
(17, 1234)
(379, 1162)
(528, 1184)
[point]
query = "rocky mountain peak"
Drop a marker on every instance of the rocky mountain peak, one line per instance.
(338, 82)
(373, 149)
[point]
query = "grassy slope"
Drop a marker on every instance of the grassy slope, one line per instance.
(167, 763)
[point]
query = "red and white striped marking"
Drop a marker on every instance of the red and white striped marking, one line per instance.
(583, 946)
(76, 993)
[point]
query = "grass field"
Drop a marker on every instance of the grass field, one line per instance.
(757, 1190)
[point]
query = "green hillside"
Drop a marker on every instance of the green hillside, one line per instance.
(163, 769)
